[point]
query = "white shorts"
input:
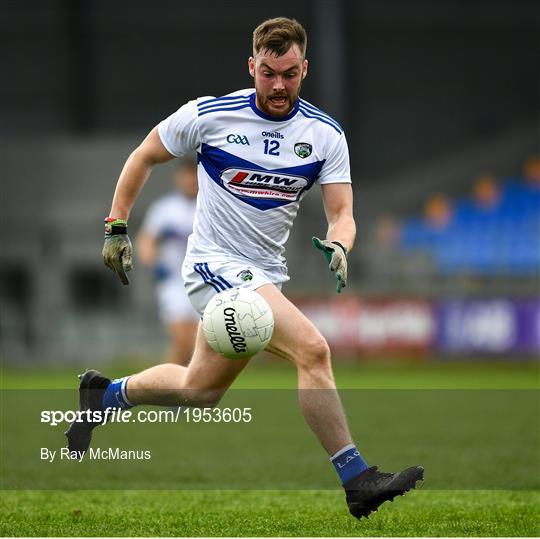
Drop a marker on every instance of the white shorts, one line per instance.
(203, 280)
(173, 301)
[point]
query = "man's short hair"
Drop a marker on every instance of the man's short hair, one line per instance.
(278, 35)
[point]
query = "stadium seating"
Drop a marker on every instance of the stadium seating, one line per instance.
(499, 239)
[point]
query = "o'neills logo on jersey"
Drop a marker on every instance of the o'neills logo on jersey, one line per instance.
(263, 184)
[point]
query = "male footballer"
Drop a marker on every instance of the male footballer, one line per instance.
(259, 151)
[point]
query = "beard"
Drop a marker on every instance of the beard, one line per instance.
(265, 103)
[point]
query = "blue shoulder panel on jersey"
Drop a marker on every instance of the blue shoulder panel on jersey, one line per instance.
(309, 111)
(217, 109)
(223, 106)
(215, 161)
(223, 103)
(224, 99)
(309, 114)
(312, 108)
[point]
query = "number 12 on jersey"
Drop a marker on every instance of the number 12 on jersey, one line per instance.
(271, 147)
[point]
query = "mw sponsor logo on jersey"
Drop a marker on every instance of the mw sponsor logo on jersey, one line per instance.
(263, 184)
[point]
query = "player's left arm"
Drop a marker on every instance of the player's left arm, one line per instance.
(338, 206)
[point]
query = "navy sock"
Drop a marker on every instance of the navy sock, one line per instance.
(348, 463)
(115, 395)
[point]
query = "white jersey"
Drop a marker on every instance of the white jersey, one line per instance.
(170, 220)
(253, 169)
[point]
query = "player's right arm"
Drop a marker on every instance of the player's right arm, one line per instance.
(135, 173)
(117, 250)
(173, 137)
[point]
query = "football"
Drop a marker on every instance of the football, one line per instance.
(238, 323)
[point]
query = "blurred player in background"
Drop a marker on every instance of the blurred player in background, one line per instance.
(161, 245)
(260, 150)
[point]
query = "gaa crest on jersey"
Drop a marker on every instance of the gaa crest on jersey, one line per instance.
(237, 139)
(302, 149)
(264, 184)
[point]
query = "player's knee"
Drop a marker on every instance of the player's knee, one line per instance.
(315, 353)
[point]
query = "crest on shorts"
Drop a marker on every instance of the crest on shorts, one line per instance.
(302, 149)
(245, 275)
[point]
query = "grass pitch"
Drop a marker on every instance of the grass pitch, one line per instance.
(265, 513)
(425, 512)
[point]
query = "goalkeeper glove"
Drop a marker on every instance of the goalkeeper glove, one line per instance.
(336, 256)
(117, 250)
